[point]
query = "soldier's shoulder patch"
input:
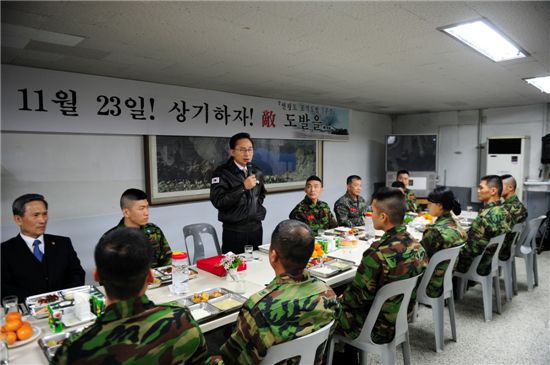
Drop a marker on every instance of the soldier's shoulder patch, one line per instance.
(215, 180)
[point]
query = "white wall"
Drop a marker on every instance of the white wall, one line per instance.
(82, 177)
(458, 136)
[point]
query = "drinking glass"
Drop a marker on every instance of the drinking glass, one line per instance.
(10, 303)
(248, 252)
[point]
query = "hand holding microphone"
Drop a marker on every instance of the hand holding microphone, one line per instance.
(250, 181)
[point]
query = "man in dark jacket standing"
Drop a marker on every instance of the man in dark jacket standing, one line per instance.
(238, 192)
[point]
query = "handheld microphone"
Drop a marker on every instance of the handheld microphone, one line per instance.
(248, 169)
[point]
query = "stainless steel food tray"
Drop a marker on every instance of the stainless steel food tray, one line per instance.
(49, 351)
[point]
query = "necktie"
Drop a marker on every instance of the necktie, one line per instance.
(36, 251)
(245, 172)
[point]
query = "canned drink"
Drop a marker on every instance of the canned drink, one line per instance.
(55, 316)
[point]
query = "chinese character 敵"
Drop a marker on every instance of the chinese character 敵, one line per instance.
(268, 119)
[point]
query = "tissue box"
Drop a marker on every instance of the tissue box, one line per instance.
(212, 265)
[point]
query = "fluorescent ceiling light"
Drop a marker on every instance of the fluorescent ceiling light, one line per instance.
(485, 38)
(542, 83)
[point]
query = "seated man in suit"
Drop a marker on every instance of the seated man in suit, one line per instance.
(396, 256)
(34, 262)
(312, 211)
(133, 330)
(292, 305)
(351, 207)
(492, 221)
(135, 211)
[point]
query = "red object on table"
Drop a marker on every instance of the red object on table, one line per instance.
(212, 265)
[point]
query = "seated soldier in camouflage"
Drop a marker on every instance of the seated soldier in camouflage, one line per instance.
(351, 207)
(292, 305)
(312, 211)
(444, 233)
(396, 256)
(492, 221)
(516, 209)
(135, 211)
(133, 330)
(403, 176)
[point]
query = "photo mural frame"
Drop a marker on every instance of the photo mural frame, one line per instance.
(179, 168)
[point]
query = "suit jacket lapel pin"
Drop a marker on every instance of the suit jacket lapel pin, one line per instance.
(53, 243)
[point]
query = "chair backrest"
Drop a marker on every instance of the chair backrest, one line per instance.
(448, 254)
(305, 347)
(517, 230)
(195, 231)
(400, 287)
(497, 240)
(528, 235)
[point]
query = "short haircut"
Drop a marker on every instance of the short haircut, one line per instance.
(293, 241)
(398, 184)
(392, 202)
(493, 181)
(123, 258)
(400, 172)
(130, 196)
(314, 178)
(18, 206)
(234, 139)
(350, 179)
(509, 180)
(445, 196)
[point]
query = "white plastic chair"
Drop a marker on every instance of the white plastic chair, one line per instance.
(526, 248)
(387, 350)
(438, 304)
(197, 251)
(507, 267)
(305, 347)
(485, 281)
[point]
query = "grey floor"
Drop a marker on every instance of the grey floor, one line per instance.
(520, 335)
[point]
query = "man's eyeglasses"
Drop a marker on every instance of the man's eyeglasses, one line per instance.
(243, 150)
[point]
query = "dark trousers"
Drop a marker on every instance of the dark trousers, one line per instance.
(235, 241)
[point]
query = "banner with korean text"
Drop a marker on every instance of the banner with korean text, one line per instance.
(38, 100)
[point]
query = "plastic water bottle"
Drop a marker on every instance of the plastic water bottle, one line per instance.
(369, 226)
(180, 272)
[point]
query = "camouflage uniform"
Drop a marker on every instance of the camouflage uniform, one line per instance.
(349, 211)
(137, 331)
(287, 308)
(444, 233)
(396, 256)
(410, 196)
(162, 254)
(492, 221)
(519, 215)
(316, 216)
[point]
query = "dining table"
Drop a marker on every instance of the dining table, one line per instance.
(255, 277)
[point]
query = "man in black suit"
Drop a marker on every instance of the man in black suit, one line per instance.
(34, 262)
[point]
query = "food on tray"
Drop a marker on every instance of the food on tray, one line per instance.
(48, 299)
(200, 297)
(199, 313)
(226, 304)
(53, 343)
(15, 329)
(317, 261)
(166, 270)
(339, 265)
(349, 241)
(324, 270)
(216, 293)
(41, 312)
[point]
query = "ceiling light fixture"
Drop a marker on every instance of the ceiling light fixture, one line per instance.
(541, 83)
(486, 38)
